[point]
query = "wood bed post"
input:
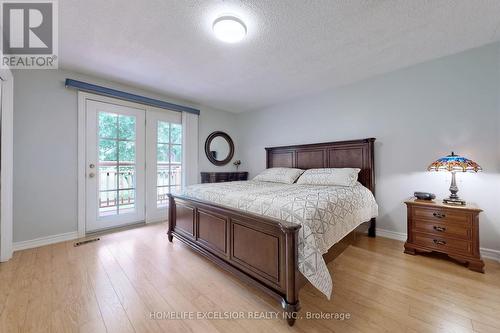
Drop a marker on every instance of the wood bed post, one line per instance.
(371, 183)
(290, 303)
(372, 228)
(171, 217)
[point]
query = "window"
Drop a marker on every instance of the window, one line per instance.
(168, 160)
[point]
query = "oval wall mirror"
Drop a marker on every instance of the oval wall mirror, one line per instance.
(219, 148)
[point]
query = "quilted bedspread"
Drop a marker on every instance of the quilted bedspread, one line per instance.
(326, 214)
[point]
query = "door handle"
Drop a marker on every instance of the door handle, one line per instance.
(91, 175)
(91, 165)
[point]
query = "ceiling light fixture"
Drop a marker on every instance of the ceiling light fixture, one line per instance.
(229, 29)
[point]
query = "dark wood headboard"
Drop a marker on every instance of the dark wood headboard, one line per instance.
(340, 154)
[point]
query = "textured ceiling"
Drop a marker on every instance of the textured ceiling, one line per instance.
(293, 48)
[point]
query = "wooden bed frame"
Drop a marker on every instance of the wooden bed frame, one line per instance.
(263, 251)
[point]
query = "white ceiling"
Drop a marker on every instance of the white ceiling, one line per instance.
(293, 48)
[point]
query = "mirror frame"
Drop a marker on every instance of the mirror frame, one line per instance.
(229, 157)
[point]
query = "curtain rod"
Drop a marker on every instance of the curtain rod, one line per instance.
(88, 87)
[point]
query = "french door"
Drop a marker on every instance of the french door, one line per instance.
(164, 160)
(115, 165)
(133, 159)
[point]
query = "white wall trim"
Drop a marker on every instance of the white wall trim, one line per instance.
(7, 165)
(401, 236)
(37, 242)
(490, 254)
(81, 164)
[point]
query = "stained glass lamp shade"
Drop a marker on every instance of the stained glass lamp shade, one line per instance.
(454, 163)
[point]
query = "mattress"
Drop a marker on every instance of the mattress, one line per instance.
(326, 214)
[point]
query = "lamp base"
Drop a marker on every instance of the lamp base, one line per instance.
(454, 201)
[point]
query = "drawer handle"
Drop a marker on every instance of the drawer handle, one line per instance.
(439, 215)
(440, 229)
(439, 242)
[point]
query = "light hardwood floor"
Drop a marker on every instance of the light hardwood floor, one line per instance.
(114, 284)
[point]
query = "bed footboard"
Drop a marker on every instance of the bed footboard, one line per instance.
(261, 251)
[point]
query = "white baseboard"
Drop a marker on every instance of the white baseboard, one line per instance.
(29, 244)
(401, 236)
(490, 254)
(156, 220)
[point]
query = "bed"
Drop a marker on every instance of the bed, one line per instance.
(277, 237)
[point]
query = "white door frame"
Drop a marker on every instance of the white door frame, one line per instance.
(82, 163)
(7, 165)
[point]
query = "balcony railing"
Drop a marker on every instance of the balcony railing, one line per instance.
(117, 183)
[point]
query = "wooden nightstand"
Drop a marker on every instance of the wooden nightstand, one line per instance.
(221, 177)
(453, 230)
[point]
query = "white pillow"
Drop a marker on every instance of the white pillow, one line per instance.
(279, 175)
(330, 176)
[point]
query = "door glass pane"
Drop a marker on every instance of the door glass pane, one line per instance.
(162, 198)
(108, 125)
(175, 174)
(108, 179)
(175, 154)
(162, 152)
(107, 150)
(126, 201)
(107, 203)
(127, 177)
(162, 172)
(163, 132)
(126, 127)
(126, 151)
(176, 133)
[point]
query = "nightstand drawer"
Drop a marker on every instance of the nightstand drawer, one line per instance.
(455, 230)
(442, 215)
(442, 244)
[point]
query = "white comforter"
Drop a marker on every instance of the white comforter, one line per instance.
(326, 213)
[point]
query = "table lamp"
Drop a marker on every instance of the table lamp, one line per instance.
(454, 163)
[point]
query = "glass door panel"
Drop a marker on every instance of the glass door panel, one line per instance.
(168, 160)
(116, 163)
(114, 133)
(164, 158)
